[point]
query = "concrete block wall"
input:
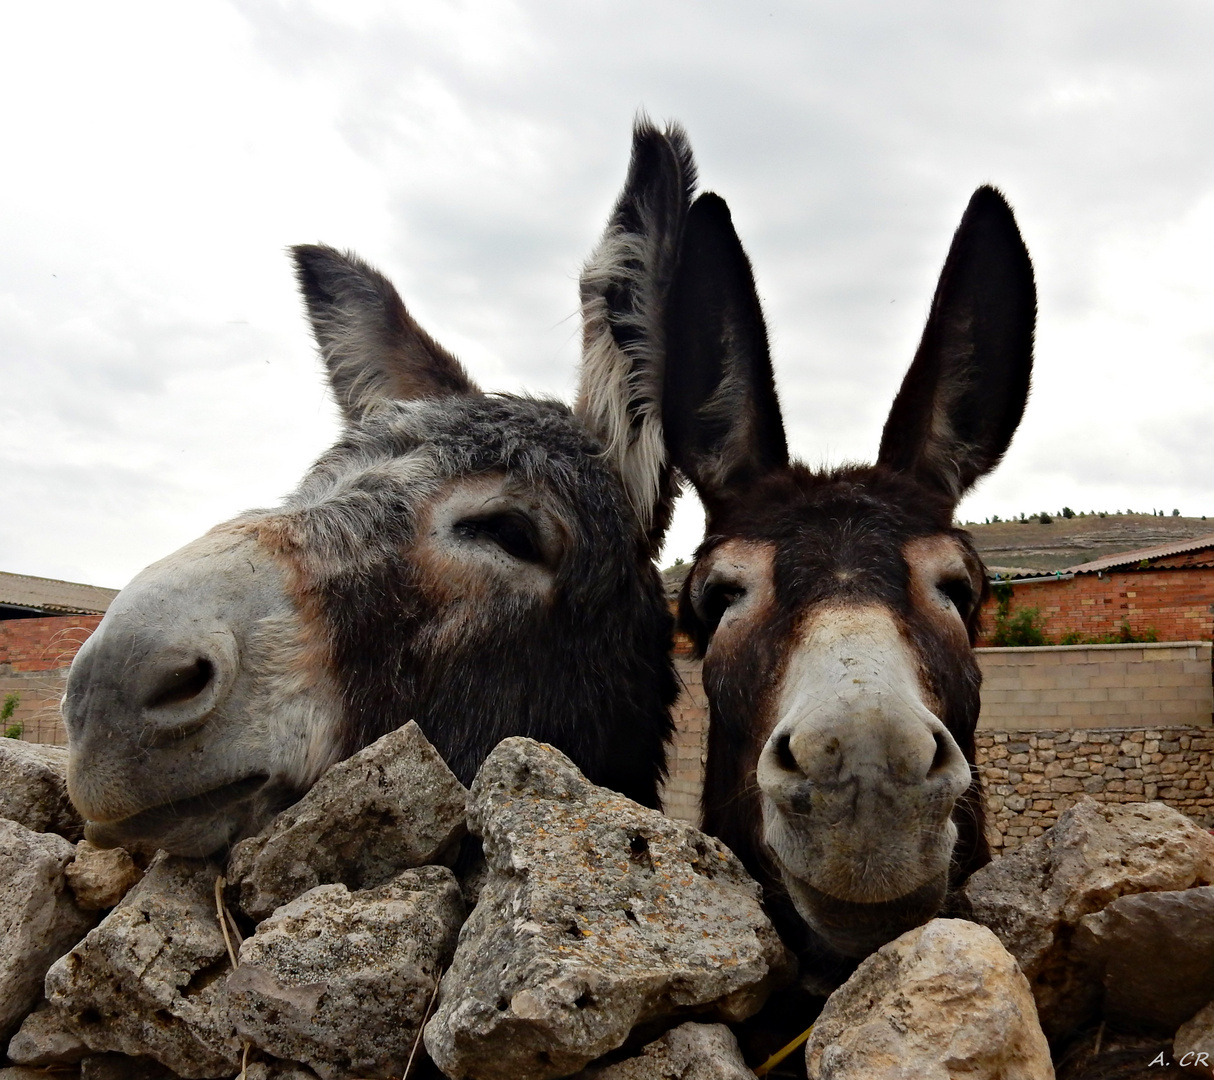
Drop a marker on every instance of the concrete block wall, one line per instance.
(1095, 686)
(34, 657)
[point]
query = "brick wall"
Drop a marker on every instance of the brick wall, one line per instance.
(34, 658)
(1178, 604)
(688, 751)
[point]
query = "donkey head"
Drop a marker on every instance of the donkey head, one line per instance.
(836, 610)
(478, 563)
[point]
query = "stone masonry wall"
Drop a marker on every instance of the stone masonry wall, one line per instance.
(34, 657)
(1032, 776)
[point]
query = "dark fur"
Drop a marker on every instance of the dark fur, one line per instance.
(479, 563)
(952, 420)
(853, 519)
(588, 673)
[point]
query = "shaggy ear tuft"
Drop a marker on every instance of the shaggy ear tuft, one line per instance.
(722, 417)
(965, 392)
(625, 287)
(371, 346)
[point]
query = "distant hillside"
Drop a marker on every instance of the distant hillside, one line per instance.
(1068, 541)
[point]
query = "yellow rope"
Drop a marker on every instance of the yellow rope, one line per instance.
(783, 1052)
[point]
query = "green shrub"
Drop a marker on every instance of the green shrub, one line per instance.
(11, 731)
(1019, 629)
(1121, 636)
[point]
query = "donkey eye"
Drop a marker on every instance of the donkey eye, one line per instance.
(715, 599)
(513, 533)
(960, 594)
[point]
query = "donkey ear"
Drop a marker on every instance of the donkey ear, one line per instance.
(373, 349)
(625, 287)
(721, 414)
(965, 392)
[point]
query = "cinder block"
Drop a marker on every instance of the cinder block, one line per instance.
(1095, 693)
(1159, 693)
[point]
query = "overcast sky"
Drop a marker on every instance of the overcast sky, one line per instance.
(156, 376)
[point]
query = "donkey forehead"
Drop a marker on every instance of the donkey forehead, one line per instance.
(418, 445)
(838, 539)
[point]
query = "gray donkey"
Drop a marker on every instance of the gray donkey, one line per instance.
(480, 563)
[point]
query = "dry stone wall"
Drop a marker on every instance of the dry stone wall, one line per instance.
(1120, 723)
(1033, 776)
(593, 926)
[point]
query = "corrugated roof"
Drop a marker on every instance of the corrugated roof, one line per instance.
(54, 597)
(1126, 558)
(1011, 573)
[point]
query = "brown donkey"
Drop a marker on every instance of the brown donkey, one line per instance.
(836, 610)
(478, 563)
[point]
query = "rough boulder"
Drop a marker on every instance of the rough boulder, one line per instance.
(597, 915)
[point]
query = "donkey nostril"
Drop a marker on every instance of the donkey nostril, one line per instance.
(784, 754)
(944, 754)
(181, 684)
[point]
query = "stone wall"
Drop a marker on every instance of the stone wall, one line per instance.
(1032, 776)
(1122, 723)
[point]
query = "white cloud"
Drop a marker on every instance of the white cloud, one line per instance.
(155, 373)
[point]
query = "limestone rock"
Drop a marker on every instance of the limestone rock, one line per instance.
(149, 980)
(1154, 955)
(1195, 1037)
(38, 920)
(341, 980)
(597, 915)
(44, 1039)
(100, 877)
(391, 806)
(1034, 897)
(689, 1052)
(33, 788)
(941, 1001)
